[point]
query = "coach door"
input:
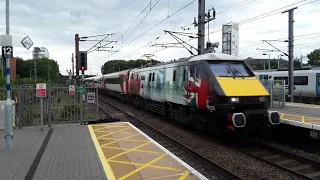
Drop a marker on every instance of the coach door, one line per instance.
(318, 84)
(191, 91)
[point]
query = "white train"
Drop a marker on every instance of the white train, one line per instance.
(306, 84)
(93, 81)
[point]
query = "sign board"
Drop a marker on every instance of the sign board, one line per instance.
(41, 90)
(72, 89)
(16, 41)
(81, 89)
(27, 42)
(7, 51)
(91, 98)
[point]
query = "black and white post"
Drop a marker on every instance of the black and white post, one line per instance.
(8, 106)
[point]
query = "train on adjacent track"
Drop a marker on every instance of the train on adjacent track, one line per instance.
(306, 84)
(216, 91)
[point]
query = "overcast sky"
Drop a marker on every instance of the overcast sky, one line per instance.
(53, 24)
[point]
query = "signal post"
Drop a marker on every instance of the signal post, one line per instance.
(82, 66)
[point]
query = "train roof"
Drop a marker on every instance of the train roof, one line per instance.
(215, 56)
(116, 73)
(286, 72)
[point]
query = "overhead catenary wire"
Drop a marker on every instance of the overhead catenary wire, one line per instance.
(264, 15)
(225, 10)
(133, 19)
(220, 12)
(270, 13)
(151, 8)
(279, 41)
(171, 15)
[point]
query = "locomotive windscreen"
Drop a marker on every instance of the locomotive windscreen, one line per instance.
(230, 69)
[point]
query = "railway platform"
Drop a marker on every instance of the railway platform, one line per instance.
(126, 152)
(89, 152)
(301, 115)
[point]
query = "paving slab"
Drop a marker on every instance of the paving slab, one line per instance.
(70, 154)
(16, 163)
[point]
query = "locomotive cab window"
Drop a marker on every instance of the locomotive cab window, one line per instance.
(191, 71)
(230, 69)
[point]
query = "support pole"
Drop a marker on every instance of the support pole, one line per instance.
(201, 25)
(41, 113)
(291, 52)
(72, 61)
(269, 62)
(81, 100)
(77, 56)
(35, 70)
(8, 106)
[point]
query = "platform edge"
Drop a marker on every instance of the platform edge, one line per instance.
(191, 169)
(297, 123)
(106, 166)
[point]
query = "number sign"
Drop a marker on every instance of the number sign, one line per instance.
(7, 51)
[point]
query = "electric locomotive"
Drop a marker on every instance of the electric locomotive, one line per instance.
(214, 90)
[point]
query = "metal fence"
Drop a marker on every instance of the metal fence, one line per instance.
(58, 106)
(276, 88)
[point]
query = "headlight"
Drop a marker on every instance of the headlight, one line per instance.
(234, 99)
(263, 99)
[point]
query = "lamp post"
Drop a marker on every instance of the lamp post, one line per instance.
(264, 66)
(280, 55)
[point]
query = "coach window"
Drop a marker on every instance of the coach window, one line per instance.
(174, 75)
(301, 80)
(149, 76)
(184, 74)
(153, 76)
(281, 78)
(318, 80)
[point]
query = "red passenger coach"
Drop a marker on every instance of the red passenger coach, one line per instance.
(116, 84)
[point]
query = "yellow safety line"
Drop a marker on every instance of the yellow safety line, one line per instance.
(142, 167)
(137, 150)
(151, 166)
(120, 139)
(184, 176)
(106, 166)
(103, 131)
(164, 177)
(125, 152)
(301, 117)
(109, 127)
(95, 130)
(113, 132)
(131, 140)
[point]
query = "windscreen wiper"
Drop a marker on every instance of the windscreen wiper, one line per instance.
(238, 72)
(230, 72)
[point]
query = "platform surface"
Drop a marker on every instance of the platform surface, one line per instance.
(128, 153)
(16, 163)
(303, 115)
(70, 155)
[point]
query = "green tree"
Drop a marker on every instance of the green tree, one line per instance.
(297, 63)
(119, 65)
(314, 58)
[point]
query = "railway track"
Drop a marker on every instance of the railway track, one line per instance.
(208, 168)
(301, 166)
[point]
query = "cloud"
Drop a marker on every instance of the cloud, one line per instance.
(53, 24)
